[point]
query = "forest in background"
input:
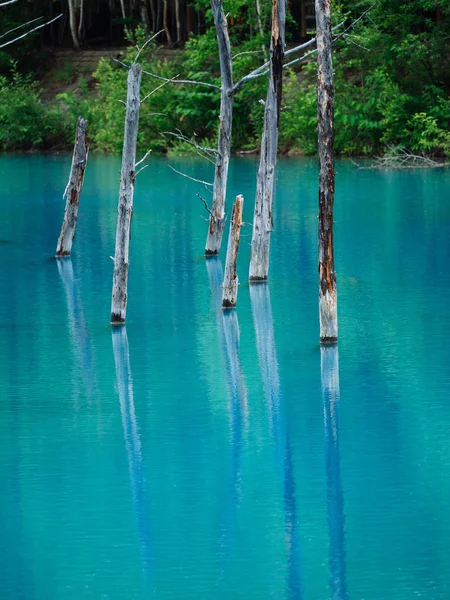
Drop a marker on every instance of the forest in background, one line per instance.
(392, 75)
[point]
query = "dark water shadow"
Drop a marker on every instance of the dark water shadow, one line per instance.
(229, 335)
(267, 355)
(133, 445)
(329, 358)
(78, 328)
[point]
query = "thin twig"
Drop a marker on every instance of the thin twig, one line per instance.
(6, 3)
(158, 88)
(20, 27)
(31, 31)
(143, 159)
(187, 81)
(141, 169)
(191, 178)
(206, 204)
(201, 150)
(146, 44)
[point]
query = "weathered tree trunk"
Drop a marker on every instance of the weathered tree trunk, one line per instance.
(262, 219)
(231, 282)
(325, 116)
(125, 210)
(73, 190)
(217, 216)
(336, 520)
(73, 24)
(165, 25)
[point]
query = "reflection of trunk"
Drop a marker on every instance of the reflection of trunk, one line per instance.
(166, 27)
(132, 440)
(325, 116)
(261, 28)
(125, 210)
(268, 363)
(262, 220)
(73, 190)
(78, 328)
(73, 24)
(231, 282)
(217, 217)
(178, 20)
(336, 529)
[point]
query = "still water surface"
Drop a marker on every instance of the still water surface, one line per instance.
(203, 455)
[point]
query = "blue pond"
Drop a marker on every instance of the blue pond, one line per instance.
(201, 455)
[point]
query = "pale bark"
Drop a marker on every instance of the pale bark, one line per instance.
(125, 210)
(73, 24)
(261, 28)
(217, 216)
(336, 521)
(325, 117)
(73, 189)
(262, 220)
(231, 281)
(178, 21)
(81, 21)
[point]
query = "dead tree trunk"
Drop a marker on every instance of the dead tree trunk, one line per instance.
(73, 189)
(125, 210)
(217, 216)
(325, 117)
(231, 282)
(262, 220)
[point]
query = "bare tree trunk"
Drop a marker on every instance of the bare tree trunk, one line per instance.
(303, 28)
(178, 20)
(217, 216)
(166, 27)
(262, 220)
(231, 282)
(122, 6)
(73, 189)
(261, 28)
(153, 13)
(73, 24)
(125, 210)
(325, 116)
(329, 359)
(81, 23)
(188, 21)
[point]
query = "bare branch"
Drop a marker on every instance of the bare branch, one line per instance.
(191, 178)
(143, 159)
(31, 31)
(205, 203)
(187, 81)
(146, 44)
(159, 87)
(141, 169)
(6, 3)
(247, 52)
(118, 61)
(210, 153)
(20, 27)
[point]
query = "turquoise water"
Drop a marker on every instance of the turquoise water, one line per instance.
(201, 455)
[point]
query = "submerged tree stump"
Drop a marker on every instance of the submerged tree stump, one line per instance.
(217, 214)
(325, 116)
(73, 189)
(125, 209)
(230, 281)
(262, 219)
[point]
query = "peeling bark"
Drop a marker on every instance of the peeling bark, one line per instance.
(325, 117)
(217, 216)
(73, 190)
(125, 210)
(231, 282)
(262, 219)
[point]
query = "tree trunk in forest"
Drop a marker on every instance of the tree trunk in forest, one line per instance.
(81, 22)
(303, 28)
(165, 25)
(73, 24)
(188, 21)
(125, 210)
(262, 220)
(73, 190)
(261, 28)
(153, 13)
(217, 216)
(230, 281)
(143, 11)
(325, 117)
(178, 20)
